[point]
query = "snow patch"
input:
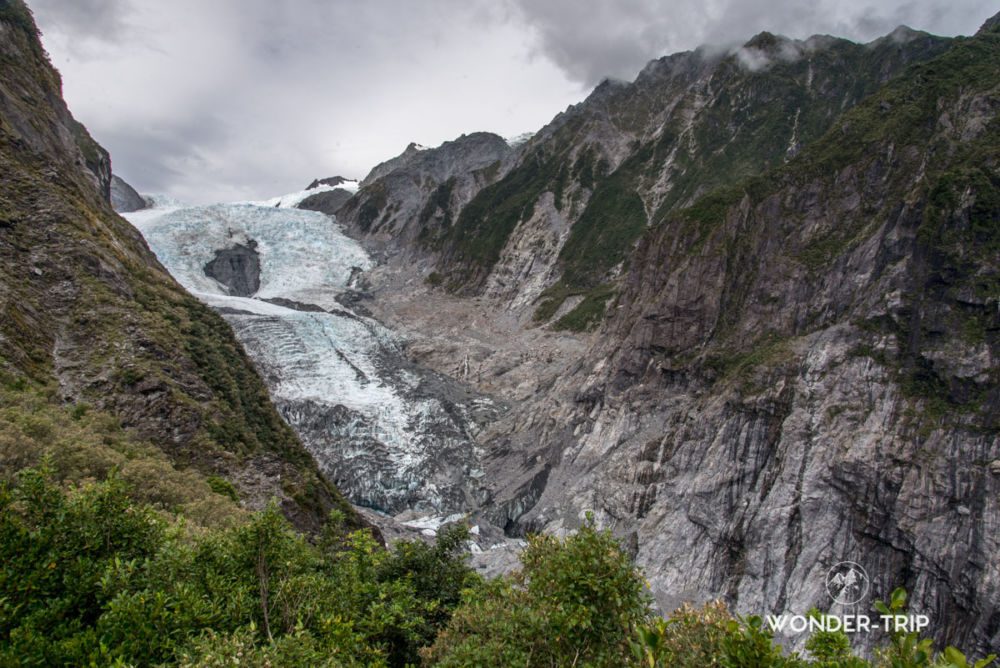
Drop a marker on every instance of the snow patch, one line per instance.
(517, 140)
(433, 523)
(292, 200)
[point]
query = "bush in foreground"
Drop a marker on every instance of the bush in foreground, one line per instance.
(576, 602)
(91, 577)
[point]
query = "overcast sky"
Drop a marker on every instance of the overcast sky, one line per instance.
(214, 100)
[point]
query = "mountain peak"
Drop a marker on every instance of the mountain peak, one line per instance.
(765, 41)
(329, 181)
(901, 34)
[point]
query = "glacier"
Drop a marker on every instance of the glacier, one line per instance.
(393, 436)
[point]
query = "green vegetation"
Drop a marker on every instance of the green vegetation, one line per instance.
(576, 602)
(737, 365)
(79, 443)
(710, 636)
(485, 224)
(588, 168)
(18, 14)
(91, 576)
(585, 316)
(223, 365)
(908, 650)
(439, 200)
(903, 112)
(959, 240)
(698, 221)
(600, 241)
(603, 237)
(223, 487)
(551, 299)
(371, 207)
(589, 313)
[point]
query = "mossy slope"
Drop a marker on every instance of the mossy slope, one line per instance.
(88, 316)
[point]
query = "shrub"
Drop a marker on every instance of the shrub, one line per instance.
(576, 602)
(90, 576)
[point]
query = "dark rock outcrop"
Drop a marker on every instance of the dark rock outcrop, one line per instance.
(328, 181)
(406, 201)
(328, 202)
(34, 111)
(237, 268)
(124, 197)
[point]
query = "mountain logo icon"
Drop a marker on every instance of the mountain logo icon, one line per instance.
(847, 583)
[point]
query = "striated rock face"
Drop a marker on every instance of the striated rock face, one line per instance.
(787, 256)
(34, 111)
(803, 370)
(124, 198)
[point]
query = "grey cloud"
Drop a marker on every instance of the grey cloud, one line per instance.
(103, 20)
(159, 156)
(593, 39)
(237, 99)
(251, 98)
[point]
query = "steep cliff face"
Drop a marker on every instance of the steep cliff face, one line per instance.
(789, 254)
(803, 370)
(30, 86)
(90, 319)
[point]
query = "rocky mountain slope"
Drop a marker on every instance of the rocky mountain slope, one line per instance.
(103, 343)
(787, 257)
(406, 200)
(628, 154)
